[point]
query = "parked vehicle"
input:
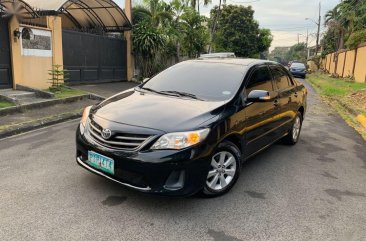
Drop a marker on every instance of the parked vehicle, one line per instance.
(298, 69)
(190, 128)
(218, 55)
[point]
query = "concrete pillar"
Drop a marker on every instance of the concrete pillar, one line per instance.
(15, 52)
(128, 36)
(55, 25)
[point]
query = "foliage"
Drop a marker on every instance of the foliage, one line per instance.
(356, 39)
(297, 52)
(57, 76)
(147, 42)
(344, 21)
(238, 32)
(195, 36)
(65, 92)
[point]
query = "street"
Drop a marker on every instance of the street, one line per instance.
(315, 190)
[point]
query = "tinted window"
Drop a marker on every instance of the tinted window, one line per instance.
(261, 79)
(281, 78)
(298, 65)
(207, 80)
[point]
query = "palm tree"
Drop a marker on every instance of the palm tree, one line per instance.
(336, 21)
(155, 11)
(195, 3)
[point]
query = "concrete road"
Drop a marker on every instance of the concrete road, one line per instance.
(315, 190)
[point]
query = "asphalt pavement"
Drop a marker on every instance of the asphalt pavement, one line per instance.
(315, 190)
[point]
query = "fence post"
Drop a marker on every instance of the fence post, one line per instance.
(354, 63)
(344, 63)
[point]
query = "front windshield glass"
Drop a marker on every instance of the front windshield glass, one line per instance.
(206, 80)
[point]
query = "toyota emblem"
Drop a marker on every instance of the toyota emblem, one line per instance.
(106, 134)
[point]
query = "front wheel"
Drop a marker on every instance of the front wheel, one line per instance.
(224, 170)
(294, 134)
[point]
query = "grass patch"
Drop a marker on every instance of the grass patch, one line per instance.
(4, 104)
(63, 92)
(349, 93)
(329, 86)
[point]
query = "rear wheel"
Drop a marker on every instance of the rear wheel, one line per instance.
(294, 134)
(224, 170)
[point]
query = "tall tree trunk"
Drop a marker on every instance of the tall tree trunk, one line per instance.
(198, 6)
(217, 16)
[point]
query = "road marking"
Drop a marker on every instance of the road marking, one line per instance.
(362, 120)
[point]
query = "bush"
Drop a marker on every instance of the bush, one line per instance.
(356, 39)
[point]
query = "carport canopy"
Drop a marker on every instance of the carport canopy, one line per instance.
(19, 8)
(79, 14)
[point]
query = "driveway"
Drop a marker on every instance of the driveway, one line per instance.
(106, 89)
(315, 190)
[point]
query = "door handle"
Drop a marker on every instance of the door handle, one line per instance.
(276, 102)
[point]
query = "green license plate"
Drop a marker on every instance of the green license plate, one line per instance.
(101, 162)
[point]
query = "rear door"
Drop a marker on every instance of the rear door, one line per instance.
(285, 102)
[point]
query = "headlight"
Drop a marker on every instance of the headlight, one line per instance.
(84, 119)
(180, 140)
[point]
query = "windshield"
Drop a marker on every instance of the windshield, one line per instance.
(206, 80)
(297, 65)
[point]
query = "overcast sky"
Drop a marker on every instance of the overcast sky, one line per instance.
(285, 18)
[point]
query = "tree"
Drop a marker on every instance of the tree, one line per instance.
(195, 3)
(238, 32)
(153, 11)
(297, 52)
(195, 36)
(147, 43)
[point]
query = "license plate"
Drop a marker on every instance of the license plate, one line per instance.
(101, 162)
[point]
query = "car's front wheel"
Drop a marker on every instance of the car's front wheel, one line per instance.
(224, 170)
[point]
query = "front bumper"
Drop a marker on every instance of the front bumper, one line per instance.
(164, 172)
(298, 73)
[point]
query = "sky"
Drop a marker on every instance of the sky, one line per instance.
(285, 18)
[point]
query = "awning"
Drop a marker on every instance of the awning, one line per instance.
(80, 14)
(18, 8)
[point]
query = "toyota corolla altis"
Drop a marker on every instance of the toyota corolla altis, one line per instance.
(190, 128)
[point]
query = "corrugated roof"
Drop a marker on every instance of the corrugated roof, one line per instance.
(103, 14)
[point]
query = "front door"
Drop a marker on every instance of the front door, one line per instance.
(258, 123)
(5, 61)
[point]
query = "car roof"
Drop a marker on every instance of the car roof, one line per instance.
(234, 61)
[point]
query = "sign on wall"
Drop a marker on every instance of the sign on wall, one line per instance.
(36, 42)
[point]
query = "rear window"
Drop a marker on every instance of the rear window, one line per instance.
(297, 65)
(206, 80)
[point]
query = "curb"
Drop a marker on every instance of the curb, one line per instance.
(362, 120)
(21, 128)
(46, 103)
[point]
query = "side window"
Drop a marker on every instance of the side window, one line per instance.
(281, 79)
(260, 79)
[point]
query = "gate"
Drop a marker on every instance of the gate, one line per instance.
(90, 58)
(5, 61)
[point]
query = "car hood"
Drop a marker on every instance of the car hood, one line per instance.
(155, 111)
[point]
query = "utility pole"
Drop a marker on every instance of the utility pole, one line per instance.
(318, 23)
(318, 34)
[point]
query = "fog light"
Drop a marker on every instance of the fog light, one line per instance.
(175, 181)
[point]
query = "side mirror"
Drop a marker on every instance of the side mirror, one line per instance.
(259, 96)
(145, 80)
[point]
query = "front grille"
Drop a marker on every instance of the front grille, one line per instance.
(118, 140)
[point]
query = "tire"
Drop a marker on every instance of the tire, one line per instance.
(293, 135)
(219, 181)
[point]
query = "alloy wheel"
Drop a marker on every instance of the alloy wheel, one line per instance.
(296, 128)
(223, 169)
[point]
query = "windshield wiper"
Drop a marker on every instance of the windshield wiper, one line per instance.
(182, 94)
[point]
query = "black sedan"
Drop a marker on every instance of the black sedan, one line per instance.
(190, 128)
